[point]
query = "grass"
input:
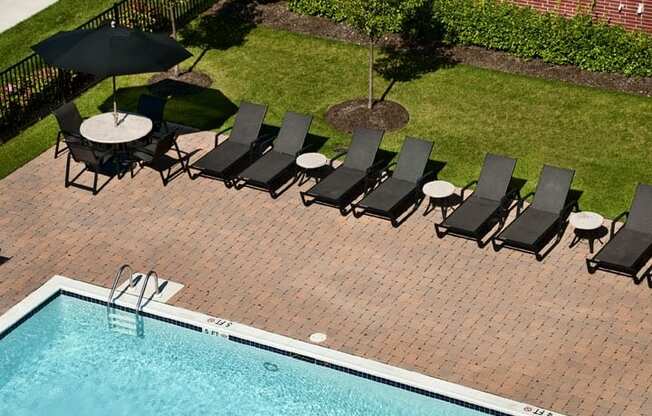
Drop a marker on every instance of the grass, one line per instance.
(63, 15)
(466, 111)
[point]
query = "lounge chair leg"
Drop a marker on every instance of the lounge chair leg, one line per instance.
(95, 175)
(56, 147)
(305, 202)
(496, 245)
(395, 222)
(439, 232)
(591, 267)
(344, 212)
(357, 211)
(67, 180)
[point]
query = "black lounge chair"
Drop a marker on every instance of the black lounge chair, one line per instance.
(153, 108)
(69, 121)
(155, 156)
(402, 188)
(96, 161)
(227, 159)
(546, 217)
(487, 206)
(629, 249)
(342, 186)
(277, 165)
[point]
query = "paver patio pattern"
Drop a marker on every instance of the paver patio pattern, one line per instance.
(545, 333)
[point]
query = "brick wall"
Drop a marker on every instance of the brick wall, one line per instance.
(604, 10)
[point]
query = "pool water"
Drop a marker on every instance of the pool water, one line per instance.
(65, 360)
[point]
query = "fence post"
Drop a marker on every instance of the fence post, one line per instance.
(116, 14)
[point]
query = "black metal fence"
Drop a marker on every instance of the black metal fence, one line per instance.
(30, 89)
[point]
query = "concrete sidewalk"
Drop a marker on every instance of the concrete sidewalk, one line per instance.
(15, 11)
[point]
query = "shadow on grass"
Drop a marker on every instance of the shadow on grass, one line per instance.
(205, 109)
(409, 64)
(226, 25)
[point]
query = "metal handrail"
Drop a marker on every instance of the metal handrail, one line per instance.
(132, 281)
(142, 290)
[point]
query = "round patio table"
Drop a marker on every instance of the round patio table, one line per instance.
(102, 128)
(587, 226)
(439, 193)
(309, 164)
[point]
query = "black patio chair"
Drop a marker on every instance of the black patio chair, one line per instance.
(155, 156)
(69, 121)
(278, 165)
(630, 248)
(402, 187)
(99, 162)
(487, 206)
(544, 219)
(153, 108)
(357, 174)
(230, 157)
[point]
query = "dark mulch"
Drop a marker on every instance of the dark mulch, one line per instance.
(166, 84)
(385, 115)
(276, 14)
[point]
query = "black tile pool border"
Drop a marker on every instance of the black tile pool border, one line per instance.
(367, 376)
(258, 345)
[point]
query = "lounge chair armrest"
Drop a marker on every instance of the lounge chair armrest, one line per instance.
(375, 169)
(219, 133)
(263, 142)
(467, 187)
(615, 220)
(337, 156)
(569, 208)
(387, 172)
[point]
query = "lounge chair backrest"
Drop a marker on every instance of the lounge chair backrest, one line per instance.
(495, 177)
(83, 154)
(640, 213)
(68, 118)
(363, 149)
(552, 189)
(293, 133)
(413, 159)
(248, 123)
(152, 107)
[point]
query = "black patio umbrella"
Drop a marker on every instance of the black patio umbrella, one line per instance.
(111, 51)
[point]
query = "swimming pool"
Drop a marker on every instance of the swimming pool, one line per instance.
(65, 359)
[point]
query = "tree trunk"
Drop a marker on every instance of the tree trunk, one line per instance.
(174, 34)
(371, 74)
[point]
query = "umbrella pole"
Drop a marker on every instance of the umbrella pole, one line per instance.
(115, 105)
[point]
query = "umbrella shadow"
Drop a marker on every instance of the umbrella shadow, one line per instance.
(226, 25)
(204, 109)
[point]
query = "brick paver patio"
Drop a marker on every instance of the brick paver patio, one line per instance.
(545, 333)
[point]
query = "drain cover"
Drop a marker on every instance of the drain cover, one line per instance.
(317, 337)
(270, 367)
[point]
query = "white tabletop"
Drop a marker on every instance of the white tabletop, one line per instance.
(438, 189)
(586, 220)
(102, 129)
(311, 160)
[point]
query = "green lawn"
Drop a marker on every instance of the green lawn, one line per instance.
(63, 15)
(466, 111)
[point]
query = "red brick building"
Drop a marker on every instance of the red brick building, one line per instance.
(630, 14)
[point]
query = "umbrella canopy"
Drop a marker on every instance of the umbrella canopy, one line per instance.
(111, 51)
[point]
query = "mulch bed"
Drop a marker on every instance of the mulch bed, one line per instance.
(385, 115)
(276, 14)
(166, 84)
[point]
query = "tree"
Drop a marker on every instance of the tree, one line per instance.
(373, 18)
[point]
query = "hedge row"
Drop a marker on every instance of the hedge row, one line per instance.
(494, 24)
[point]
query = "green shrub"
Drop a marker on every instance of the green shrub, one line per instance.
(525, 32)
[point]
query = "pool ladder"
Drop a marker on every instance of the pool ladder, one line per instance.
(124, 321)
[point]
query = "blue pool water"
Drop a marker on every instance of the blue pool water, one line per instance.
(65, 360)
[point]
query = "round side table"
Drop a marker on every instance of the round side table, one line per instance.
(309, 164)
(439, 193)
(587, 226)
